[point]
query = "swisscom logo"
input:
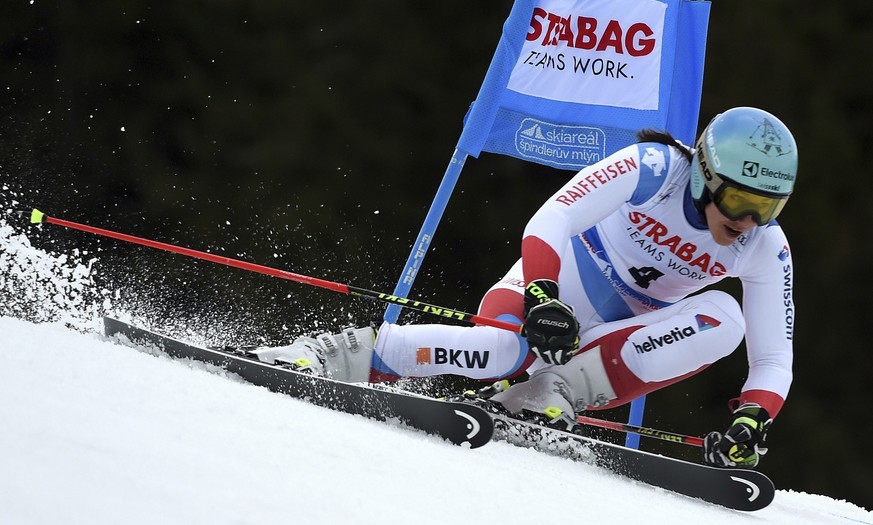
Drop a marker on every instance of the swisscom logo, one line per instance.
(702, 322)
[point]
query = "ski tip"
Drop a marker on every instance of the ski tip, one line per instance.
(36, 216)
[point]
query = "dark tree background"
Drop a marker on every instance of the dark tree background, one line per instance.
(312, 136)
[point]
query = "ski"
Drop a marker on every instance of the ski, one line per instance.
(460, 423)
(739, 489)
(466, 424)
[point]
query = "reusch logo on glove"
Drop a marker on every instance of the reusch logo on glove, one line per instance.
(553, 322)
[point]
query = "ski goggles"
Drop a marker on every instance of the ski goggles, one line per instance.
(735, 202)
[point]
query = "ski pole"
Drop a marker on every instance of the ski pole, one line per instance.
(37, 217)
(694, 441)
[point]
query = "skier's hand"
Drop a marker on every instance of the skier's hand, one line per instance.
(740, 446)
(550, 326)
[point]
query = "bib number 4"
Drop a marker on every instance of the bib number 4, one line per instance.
(644, 276)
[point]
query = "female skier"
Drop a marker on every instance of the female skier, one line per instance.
(604, 289)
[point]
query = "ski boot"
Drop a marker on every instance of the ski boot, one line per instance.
(345, 357)
(553, 394)
(550, 416)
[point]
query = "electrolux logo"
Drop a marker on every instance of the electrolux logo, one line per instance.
(751, 169)
(776, 174)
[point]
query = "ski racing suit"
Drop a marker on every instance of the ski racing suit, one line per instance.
(628, 248)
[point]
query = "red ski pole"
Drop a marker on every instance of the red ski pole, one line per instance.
(38, 217)
(643, 431)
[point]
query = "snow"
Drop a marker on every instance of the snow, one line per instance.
(95, 432)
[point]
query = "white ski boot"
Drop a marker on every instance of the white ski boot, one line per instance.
(559, 391)
(345, 357)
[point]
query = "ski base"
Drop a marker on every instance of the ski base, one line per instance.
(739, 489)
(460, 423)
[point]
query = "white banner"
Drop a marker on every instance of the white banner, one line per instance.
(601, 52)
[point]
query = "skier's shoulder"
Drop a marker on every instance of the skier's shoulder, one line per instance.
(664, 168)
(763, 251)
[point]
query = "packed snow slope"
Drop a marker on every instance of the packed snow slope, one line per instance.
(94, 432)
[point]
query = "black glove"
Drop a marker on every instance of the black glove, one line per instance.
(550, 326)
(740, 446)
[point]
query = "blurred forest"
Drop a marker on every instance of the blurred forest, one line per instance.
(312, 137)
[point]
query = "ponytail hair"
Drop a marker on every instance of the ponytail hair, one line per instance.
(663, 137)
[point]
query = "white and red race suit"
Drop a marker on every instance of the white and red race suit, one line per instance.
(628, 248)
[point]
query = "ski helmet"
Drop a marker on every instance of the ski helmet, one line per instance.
(745, 161)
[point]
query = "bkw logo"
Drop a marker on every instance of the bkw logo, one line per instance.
(449, 356)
